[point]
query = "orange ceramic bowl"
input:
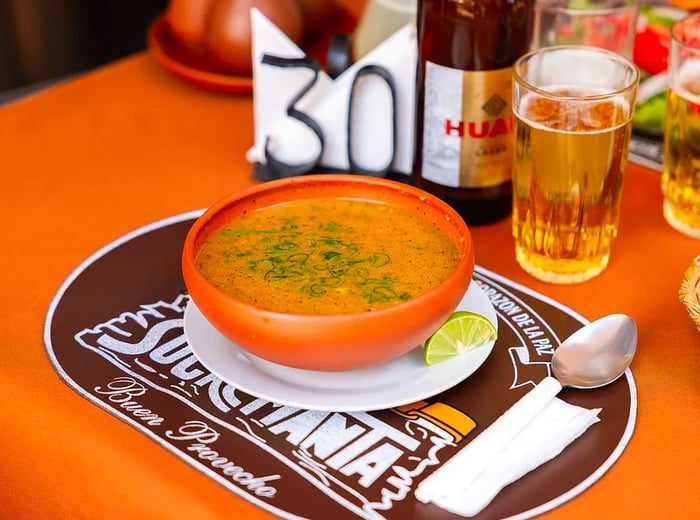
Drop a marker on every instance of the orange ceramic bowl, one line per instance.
(329, 342)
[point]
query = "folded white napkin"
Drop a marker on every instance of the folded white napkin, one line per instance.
(534, 430)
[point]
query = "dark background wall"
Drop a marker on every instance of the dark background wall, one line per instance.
(42, 40)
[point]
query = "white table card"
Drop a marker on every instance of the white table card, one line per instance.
(363, 121)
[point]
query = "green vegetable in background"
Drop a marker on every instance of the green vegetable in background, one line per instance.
(651, 113)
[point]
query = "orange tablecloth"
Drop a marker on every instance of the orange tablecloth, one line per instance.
(95, 158)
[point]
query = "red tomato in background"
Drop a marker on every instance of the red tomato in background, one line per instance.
(651, 47)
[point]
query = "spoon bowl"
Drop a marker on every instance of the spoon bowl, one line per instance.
(596, 354)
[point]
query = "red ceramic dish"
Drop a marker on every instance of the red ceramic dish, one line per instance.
(191, 64)
(330, 342)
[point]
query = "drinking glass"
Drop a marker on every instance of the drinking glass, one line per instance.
(609, 24)
(573, 108)
(680, 181)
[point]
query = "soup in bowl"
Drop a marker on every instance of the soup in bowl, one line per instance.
(328, 271)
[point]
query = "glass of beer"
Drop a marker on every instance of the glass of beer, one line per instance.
(609, 24)
(680, 181)
(573, 108)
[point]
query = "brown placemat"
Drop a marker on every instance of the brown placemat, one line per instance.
(114, 333)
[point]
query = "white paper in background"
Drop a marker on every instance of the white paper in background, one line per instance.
(273, 88)
(328, 102)
(372, 123)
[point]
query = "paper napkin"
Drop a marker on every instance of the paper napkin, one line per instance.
(534, 430)
(328, 103)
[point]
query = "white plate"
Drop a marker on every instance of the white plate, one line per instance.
(401, 381)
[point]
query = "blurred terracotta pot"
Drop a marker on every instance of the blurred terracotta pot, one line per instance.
(223, 29)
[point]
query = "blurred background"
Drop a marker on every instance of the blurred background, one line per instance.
(45, 41)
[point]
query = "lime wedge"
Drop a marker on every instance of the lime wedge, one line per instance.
(462, 331)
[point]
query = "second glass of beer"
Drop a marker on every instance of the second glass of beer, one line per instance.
(680, 181)
(573, 109)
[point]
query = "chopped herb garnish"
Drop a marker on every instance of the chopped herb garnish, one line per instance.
(327, 256)
(238, 232)
(282, 256)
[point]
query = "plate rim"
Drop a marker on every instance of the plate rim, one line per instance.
(458, 369)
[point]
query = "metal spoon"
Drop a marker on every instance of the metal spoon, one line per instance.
(597, 354)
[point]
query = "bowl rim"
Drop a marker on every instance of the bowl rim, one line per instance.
(466, 261)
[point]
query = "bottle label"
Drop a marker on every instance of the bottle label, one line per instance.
(467, 126)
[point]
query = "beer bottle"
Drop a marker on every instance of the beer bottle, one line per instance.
(464, 119)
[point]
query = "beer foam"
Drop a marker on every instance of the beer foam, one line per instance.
(526, 105)
(686, 81)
